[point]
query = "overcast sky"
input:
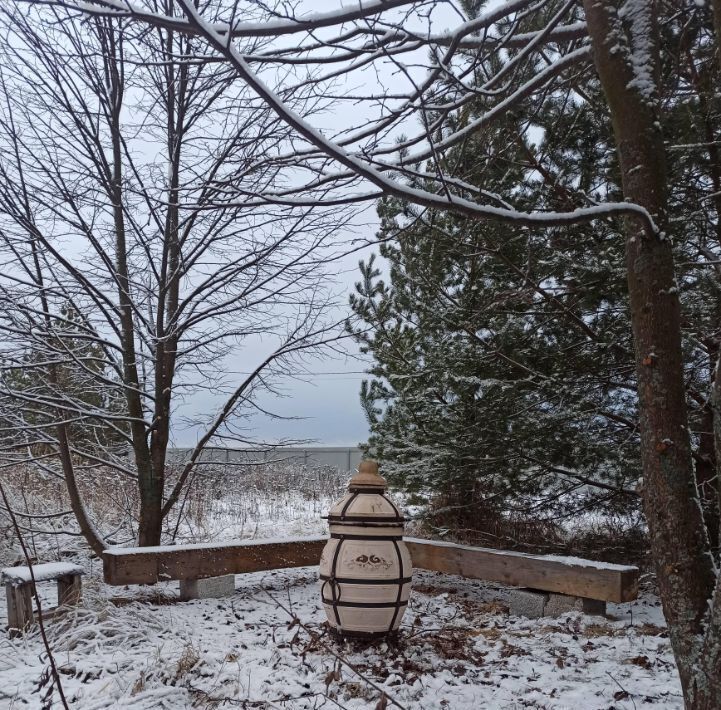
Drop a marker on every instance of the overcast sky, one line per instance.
(325, 405)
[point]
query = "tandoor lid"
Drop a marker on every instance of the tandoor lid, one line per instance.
(367, 478)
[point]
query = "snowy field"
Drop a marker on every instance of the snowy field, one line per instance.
(267, 647)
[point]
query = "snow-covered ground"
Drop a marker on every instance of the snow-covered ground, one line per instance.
(141, 648)
(267, 647)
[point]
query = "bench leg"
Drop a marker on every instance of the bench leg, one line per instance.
(20, 607)
(534, 604)
(207, 588)
(70, 590)
(558, 604)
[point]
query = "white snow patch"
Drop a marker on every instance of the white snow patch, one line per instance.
(638, 14)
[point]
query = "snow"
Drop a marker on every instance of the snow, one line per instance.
(41, 572)
(120, 551)
(639, 16)
(459, 648)
(582, 562)
(291, 25)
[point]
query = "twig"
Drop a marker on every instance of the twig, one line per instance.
(297, 622)
(41, 625)
(630, 695)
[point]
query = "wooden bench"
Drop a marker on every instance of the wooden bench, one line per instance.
(18, 583)
(547, 585)
(574, 578)
(191, 563)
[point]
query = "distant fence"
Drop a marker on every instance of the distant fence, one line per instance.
(342, 458)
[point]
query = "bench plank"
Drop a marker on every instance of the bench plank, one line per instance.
(18, 583)
(570, 576)
(147, 565)
(564, 575)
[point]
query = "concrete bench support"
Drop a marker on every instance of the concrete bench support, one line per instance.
(19, 590)
(207, 588)
(534, 604)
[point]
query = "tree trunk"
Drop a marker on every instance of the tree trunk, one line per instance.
(88, 530)
(176, 84)
(715, 165)
(149, 526)
(679, 543)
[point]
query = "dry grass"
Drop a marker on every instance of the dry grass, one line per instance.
(246, 496)
(221, 501)
(189, 658)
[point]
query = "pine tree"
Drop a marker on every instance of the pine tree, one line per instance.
(494, 347)
(70, 366)
(503, 376)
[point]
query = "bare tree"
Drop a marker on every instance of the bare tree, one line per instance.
(125, 284)
(416, 84)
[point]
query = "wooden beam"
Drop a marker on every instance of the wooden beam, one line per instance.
(147, 565)
(70, 590)
(19, 606)
(564, 575)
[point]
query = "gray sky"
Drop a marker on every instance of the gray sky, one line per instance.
(325, 405)
(322, 407)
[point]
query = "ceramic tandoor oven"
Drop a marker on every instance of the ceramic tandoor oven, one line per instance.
(365, 568)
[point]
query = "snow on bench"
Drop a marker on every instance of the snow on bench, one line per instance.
(574, 578)
(42, 573)
(18, 583)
